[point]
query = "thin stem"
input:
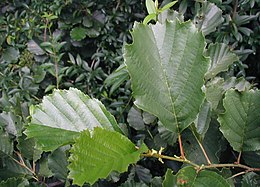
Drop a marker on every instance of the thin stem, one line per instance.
(239, 157)
(234, 8)
(203, 150)
(57, 74)
(237, 174)
(181, 147)
(155, 154)
(22, 164)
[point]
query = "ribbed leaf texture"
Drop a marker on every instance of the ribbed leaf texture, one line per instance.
(95, 155)
(61, 116)
(167, 66)
(188, 176)
(240, 122)
(221, 58)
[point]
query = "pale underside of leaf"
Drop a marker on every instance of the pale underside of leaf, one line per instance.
(96, 156)
(167, 66)
(62, 115)
(240, 123)
(221, 58)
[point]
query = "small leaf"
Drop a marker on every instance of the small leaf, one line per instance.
(149, 18)
(203, 119)
(167, 6)
(95, 156)
(78, 33)
(170, 180)
(251, 179)
(134, 118)
(6, 145)
(240, 123)
(150, 6)
(10, 54)
(34, 48)
(188, 176)
(14, 182)
(221, 58)
(58, 163)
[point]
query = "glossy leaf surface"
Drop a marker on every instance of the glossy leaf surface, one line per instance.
(95, 156)
(240, 123)
(167, 66)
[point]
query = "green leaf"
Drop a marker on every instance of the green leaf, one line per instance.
(167, 66)
(240, 123)
(61, 115)
(170, 180)
(27, 148)
(208, 18)
(14, 182)
(118, 77)
(78, 33)
(214, 91)
(203, 119)
(134, 118)
(6, 145)
(167, 6)
(251, 179)
(252, 158)
(95, 156)
(10, 54)
(150, 6)
(149, 18)
(221, 58)
(58, 163)
(188, 176)
(34, 48)
(44, 169)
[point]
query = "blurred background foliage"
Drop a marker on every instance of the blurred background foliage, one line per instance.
(47, 44)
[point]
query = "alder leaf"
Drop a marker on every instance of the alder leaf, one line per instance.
(240, 122)
(188, 176)
(62, 115)
(167, 67)
(96, 155)
(78, 33)
(221, 58)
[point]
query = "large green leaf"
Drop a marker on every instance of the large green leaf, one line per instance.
(170, 180)
(240, 123)
(6, 145)
(188, 176)
(61, 116)
(95, 156)
(221, 58)
(167, 66)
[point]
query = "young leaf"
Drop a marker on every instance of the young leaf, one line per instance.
(95, 155)
(150, 6)
(240, 123)
(221, 58)
(149, 18)
(188, 176)
(60, 116)
(167, 6)
(167, 66)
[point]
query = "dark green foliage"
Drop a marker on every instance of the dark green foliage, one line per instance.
(45, 44)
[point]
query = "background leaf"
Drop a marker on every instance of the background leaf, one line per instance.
(170, 180)
(208, 18)
(78, 33)
(221, 58)
(165, 82)
(95, 156)
(188, 176)
(240, 123)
